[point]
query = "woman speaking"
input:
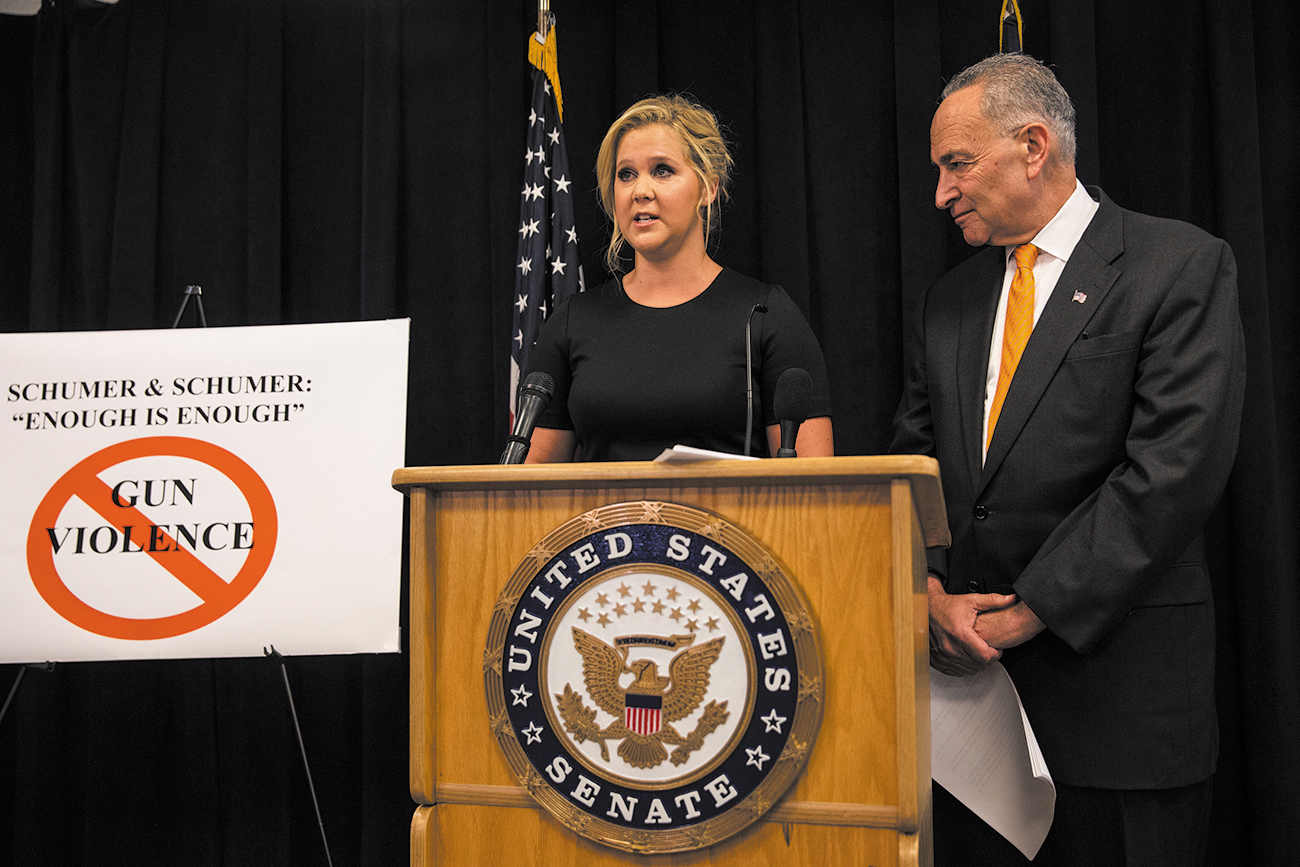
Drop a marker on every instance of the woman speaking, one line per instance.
(657, 357)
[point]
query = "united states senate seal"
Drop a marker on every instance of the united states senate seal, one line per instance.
(653, 677)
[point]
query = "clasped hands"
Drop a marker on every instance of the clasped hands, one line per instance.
(970, 630)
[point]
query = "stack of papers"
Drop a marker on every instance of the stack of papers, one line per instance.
(983, 751)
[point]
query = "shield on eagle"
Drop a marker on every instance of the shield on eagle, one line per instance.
(641, 712)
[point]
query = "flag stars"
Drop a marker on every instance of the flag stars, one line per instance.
(602, 600)
(694, 606)
(676, 614)
(603, 619)
(521, 696)
(558, 265)
(520, 301)
(533, 733)
(773, 722)
(757, 758)
(562, 184)
(692, 625)
(638, 605)
(554, 135)
(620, 610)
(648, 589)
(658, 607)
(527, 230)
(584, 615)
(624, 591)
(712, 624)
(528, 161)
(532, 116)
(541, 154)
(672, 594)
(519, 338)
(572, 234)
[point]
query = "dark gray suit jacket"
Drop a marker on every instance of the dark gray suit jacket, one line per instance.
(1114, 442)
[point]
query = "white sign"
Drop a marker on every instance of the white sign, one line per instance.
(202, 492)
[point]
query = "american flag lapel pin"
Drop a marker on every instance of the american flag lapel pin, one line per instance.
(1080, 297)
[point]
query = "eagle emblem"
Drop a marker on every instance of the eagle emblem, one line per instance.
(645, 709)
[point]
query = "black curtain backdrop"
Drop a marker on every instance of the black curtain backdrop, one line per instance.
(320, 160)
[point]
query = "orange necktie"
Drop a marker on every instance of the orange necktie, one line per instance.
(1015, 332)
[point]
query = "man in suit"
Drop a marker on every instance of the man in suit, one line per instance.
(1080, 381)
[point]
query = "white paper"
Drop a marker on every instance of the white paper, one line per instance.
(680, 454)
(983, 751)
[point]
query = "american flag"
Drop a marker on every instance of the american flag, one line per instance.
(546, 264)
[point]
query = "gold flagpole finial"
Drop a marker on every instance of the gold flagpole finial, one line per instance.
(543, 18)
(1004, 29)
(542, 52)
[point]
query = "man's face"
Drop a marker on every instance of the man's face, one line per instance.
(983, 181)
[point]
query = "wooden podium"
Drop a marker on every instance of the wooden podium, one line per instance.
(850, 531)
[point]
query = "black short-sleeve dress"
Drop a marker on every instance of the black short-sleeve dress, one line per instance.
(633, 380)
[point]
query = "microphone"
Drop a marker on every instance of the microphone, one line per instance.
(749, 375)
(791, 403)
(536, 392)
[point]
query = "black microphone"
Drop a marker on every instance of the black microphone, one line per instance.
(791, 404)
(536, 392)
(749, 376)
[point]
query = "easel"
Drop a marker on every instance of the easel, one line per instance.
(196, 292)
(274, 655)
(13, 690)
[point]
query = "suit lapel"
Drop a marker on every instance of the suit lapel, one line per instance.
(979, 304)
(1088, 273)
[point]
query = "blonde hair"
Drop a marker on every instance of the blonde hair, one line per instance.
(702, 141)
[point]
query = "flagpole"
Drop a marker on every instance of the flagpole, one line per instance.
(547, 269)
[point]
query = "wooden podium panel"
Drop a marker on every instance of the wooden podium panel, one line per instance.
(850, 531)
(468, 834)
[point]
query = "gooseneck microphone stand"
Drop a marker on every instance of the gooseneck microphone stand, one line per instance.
(749, 374)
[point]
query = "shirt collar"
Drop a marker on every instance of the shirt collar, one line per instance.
(1062, 233)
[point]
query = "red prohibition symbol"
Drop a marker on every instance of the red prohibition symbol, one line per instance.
(83, 482)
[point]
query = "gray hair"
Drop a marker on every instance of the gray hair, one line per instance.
(1018, 90)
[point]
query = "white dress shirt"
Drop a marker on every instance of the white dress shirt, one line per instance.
(1055, 242)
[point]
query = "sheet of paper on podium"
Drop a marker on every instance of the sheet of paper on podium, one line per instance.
(680, 454)
(983, 751)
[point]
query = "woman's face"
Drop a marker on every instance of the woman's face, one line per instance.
(657, 195)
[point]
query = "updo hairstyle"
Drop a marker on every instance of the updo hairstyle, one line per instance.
(702, 141)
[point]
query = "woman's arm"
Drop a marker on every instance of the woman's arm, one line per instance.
(553, 445)
(815, 439)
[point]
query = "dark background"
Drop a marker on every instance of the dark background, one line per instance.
(319, 160)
